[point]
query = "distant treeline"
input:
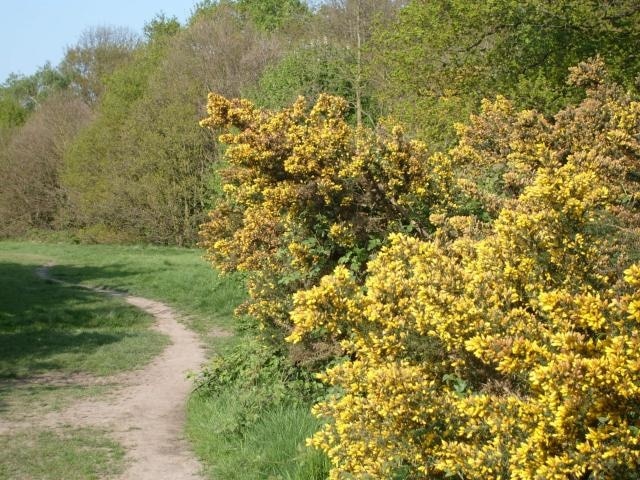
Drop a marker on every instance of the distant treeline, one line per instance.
(107, 144)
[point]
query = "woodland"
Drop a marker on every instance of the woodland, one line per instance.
(434, 206)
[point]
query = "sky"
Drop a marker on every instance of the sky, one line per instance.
(33, 32)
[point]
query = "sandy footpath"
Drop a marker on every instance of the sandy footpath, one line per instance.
(147, 412)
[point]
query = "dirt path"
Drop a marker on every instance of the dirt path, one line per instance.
(147, 413)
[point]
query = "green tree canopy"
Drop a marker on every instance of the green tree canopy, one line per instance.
(99, 52)
(20, 94)
(265, 14)
(440, 58)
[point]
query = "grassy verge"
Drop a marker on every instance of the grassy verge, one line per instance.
(273, 447)
(70, 454)
(249, 417)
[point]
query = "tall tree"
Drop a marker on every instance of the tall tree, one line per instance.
(143, 170)
(99, 52)
(434, 64)
(92, 165)
(20, 95)
(31, 194)
(307, 70)
(267, 15)
(349, 24)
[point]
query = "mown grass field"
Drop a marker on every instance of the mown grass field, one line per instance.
(48, 332)
(51, 329)
(47, 327)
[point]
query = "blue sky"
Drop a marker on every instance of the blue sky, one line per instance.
(33, 32)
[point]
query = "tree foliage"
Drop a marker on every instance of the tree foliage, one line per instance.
(267, 15)
(31, 164)
(434, 64)
(20, 95)
(144, 169)
(93, 162)
(307, 71)
(99, 52)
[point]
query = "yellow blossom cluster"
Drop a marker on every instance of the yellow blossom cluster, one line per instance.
(485, 299)
(509, 350)
(304, 191)
(501, 149)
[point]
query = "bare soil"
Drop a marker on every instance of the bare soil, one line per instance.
(146, 413)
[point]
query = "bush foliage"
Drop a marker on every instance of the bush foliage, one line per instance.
(498, 344)
(304, 191)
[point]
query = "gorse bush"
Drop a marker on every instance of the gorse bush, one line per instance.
(506, 354)
(497, 345)
(304, 191)
(508, 146)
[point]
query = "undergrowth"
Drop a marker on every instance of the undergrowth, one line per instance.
(250, 415)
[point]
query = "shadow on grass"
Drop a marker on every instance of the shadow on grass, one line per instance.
(77, 274)
(42, 350)
(47, 326)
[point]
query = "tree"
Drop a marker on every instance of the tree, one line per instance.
(32, 195)
(20, 95)
(308, 71)
(161, 28)
(269, 15)
(174, 158)
(144, 170)
(92, 172)
(99, 52)
(349, 24)
(439, 59)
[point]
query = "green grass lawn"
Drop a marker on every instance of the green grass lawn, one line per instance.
(47, 327)
(19, 401)
(177, 276)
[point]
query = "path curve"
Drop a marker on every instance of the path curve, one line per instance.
(147, 415)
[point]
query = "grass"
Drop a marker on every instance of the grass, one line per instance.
(21, 401)
(70, 333)
(70, 454)
(272, 448)
(46, 327)
(177, 276)
(249, 418)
